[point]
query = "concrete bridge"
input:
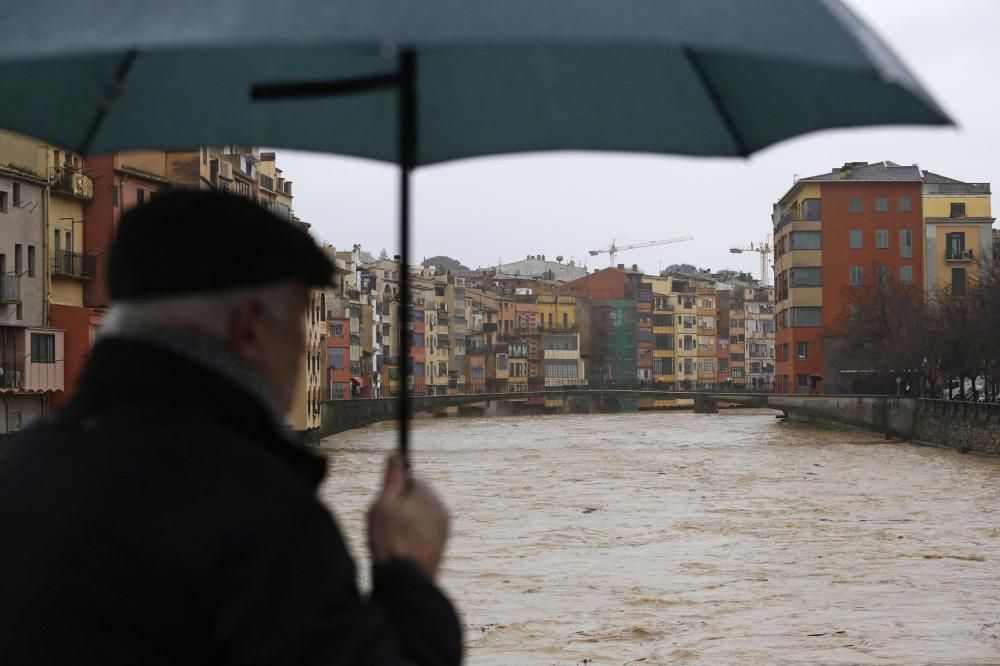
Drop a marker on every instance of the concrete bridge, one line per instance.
(891, 416)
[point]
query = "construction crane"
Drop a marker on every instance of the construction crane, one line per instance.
(614, 249)
(764, 250)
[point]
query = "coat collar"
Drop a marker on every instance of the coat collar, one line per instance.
(129, 370)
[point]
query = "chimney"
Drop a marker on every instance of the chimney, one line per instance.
(635, 268)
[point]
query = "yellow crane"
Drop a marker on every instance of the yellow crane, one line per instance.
(614, 248)
(764, 250)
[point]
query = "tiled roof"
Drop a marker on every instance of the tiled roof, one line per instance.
(876, 172)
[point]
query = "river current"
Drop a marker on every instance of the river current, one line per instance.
(671, 537)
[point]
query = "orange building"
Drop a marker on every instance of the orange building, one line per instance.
(858, 224)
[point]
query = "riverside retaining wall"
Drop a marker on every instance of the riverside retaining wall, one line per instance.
(966, 426)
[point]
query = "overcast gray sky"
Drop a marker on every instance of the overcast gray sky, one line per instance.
(568, 203)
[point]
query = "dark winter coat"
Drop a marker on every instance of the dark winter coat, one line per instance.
(163, 517)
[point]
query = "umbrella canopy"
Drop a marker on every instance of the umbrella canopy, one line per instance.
(699, 77)
(425, 82)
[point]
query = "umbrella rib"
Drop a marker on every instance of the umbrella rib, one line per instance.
(362, 84)
(716, 99)
(102, 111)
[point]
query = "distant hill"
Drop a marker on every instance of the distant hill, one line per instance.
(445, 263)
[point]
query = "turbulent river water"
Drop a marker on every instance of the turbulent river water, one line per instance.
(713, 539)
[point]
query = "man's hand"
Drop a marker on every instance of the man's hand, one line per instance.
(407, 520)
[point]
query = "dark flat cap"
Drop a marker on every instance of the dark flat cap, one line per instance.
(190, 241)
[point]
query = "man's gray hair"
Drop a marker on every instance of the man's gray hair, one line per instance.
(207, 313)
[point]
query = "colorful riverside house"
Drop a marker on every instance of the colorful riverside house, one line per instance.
(958, 233)
(862, 224)
(31, 352)
(560, 340)
(606, 314)
(416, 353)
(664, 342)
(706, 347)
(63, 203)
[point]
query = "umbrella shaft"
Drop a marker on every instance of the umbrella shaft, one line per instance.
(407, 159)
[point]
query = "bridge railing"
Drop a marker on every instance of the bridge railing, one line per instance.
(391, 390)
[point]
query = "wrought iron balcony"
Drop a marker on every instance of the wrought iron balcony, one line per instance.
(73, 264)
(72, 182)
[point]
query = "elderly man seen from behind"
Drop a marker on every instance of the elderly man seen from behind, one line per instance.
(165, 516)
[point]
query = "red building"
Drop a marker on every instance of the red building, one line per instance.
(415, 353)
(859, 224)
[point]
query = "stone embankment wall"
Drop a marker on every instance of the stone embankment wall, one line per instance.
(966, 426)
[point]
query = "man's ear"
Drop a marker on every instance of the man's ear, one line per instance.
(245, 334)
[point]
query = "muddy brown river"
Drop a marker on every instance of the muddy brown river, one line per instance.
(660, 538)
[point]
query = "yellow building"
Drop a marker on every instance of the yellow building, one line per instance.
(958, 233)
(664, 336)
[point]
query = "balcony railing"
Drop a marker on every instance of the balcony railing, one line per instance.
(73, 264)
(10, 289)
(958, 255)
(12, 375)
(70, 181)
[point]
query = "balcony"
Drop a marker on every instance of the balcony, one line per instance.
(72, 182)
(13, 377)
(73, 265)
(10, 289)
(958, 255)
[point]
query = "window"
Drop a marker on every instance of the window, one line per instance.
(644, 336)
(906, 274)
(336, 358)
(883, 276)
(689, 366)
(807, 316)
(811, 209)
(802, 349)
(336, 330)
(140, 196)
(738, 358)
(663, 366)
(418, 369)
(855, 205)
(955, 244)
(478, 372)
(663, 341)
(31, 261)
(3, 202)
(857, 276)
(43, 348)
(737, 373)
(562, 369)
(957, 210)
(501, 361)
(881, 239)
(905, 205)
(905, 244)
(565, 318)
(663, 320)
(806, 277)
(881, 204)
(805, 240)
(708, 366)
(803, 382)
(561, 342)
(18, 266)
(958, 282)
(17, 195)
(856, 239)
(688, 342)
